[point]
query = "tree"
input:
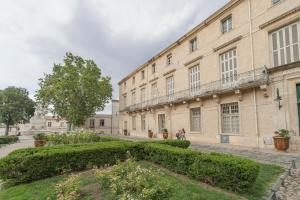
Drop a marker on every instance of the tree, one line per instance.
(75, 89)
(15, 106)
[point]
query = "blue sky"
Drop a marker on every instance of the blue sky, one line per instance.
(118, 35)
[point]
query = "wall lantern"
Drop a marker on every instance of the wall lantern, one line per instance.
(278, 99)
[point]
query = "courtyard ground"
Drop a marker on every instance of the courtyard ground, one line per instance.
(25, 142)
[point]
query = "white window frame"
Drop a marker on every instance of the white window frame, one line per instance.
(193, 45)
(125, 100)
(230, 119)
(161, 122)
(153, 68)
(143, 122)
(229, 67)
(49, 124)
(143, 74)
(283, 44)
(169, 59)
(170, 87)
(133, 120)
(194, 79)
(226, 24)
(194, 119)
(133, 96)
(143, 95)
(154, 90)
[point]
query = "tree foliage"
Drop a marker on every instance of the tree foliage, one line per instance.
(15, 106)
(75, 89)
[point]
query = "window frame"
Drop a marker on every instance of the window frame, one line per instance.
(143, 95)
(169, 59)
(231, 115)
(194, 83)
(143, 122)
(223, 74)
(142, 74)
(193, 45)
(192, 126)
(153, 68)
(49, 124)
(170, 87)
(226, 20)
(133, 97)
(161, 125)
(133, 80)
(133, 122)
(100, 123)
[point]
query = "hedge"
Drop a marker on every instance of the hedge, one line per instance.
(8, 139)
(34, 164)
(225, 171)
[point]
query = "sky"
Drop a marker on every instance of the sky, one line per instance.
(118, 35)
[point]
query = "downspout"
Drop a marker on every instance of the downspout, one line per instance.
(252, 65)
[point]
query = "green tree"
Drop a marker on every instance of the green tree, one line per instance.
(75, 89)
(15, 106)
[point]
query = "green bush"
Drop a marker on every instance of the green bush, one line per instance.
(225, 171)
(34, 164)
(8, 139)
(77, 138)
(175, 143)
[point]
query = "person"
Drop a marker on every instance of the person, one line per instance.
(180, 135)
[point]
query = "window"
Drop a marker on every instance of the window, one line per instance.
(125, 100)
(92, 123)
(194, 74)
(161, 122)
(125, 84)
(285, 44)
(154, 92)
(143, 75)
(227, 24)
(153, 68)
(102, 122)
(229, 67)
(195, 119)
(230, 118)
(170, 87)
(49, 124)
(193, 45)
(125, 125)
(133, 80)
(169, 59)
(133, 98)
(143, 122)
(275, 2)
(62, 124)
(143, 95)
(134, 122)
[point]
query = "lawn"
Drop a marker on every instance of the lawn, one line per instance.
(181, 187)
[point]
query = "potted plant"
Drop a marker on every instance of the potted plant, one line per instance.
(150, 133)
(165, 133)
(282, 139)
(40, 139)
(125, 132)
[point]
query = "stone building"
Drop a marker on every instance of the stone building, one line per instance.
(234, 78)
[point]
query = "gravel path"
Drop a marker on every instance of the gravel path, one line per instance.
(25, 142)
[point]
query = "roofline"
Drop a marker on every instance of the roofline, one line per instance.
(200, 26)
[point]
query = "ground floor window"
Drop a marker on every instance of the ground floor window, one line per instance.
(92, 123)
(102, 122)
(125, 125)
(49, 124)
(195, 119)
(134, 123)
(143, 122)
(230, 118)
(161, 122)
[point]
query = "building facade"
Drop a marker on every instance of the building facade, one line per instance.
(234, 78)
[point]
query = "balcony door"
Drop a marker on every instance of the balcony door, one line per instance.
(229, 68)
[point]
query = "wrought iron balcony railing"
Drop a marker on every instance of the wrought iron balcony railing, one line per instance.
(250, 79)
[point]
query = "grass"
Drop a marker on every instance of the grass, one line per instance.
(182, 187)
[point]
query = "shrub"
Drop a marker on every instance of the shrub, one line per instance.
(40, 136)
(175, 143)
(34, 164)
(68, 189)
(77, 138)
(225, 171)
(132, 181)
(8, 139)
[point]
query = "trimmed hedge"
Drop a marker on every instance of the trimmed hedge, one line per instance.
(34, 164)
(9, 139)
(225, 171)
(175, 143)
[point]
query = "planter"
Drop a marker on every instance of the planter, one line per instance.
(39, 143)
(281, 143)
(150, 134)
(165, 135)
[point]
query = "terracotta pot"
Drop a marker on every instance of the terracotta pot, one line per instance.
(165, 135)
(150, 134)
(39, 143)
(281, 144)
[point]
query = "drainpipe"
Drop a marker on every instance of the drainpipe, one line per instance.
(252, 65)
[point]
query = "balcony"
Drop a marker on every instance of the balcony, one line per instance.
(250, 79)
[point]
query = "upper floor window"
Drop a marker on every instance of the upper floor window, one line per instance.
(230, 118)
(143, 74)
(154, 92)
(102, 122)
(170, 86)
(275, 2)
(49, 124)
(195, 119)
(133, 97)
(133, 80)
(169, 59)
(125, 100)
(153, 68)
(229, 66)
(227, 24)
(143, 94)
(193, 45)
(285, 45)
(194, 76)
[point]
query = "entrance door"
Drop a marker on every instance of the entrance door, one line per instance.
(298, 103)
(161, 122)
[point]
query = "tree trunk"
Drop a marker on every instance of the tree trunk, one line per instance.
(6, 129)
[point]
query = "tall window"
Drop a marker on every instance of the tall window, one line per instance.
(133, 98)
(170, 87)
(125, 85)
(133, 80)
(285, 44)
(125, 125)
(154, 92)
(102, 122)
(194, 74)
(125, 100)
(161, 122)
(169, 59)
(143, 95)
(143, 75)
(153, 68)
(92, 123)
(133, 122)
(49, 124)
(195, 119)
(227, 24)
(230, 118)
(143, 122)
(229, 66)
(193, 44)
